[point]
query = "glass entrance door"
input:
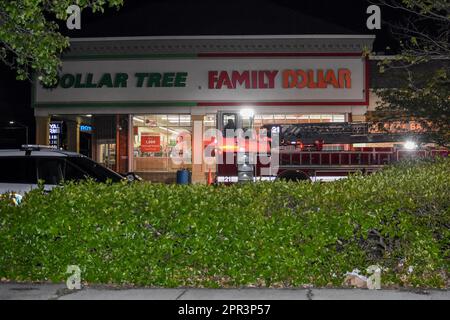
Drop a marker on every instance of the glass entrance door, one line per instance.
(107, 155)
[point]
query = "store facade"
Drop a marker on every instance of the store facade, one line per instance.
(130, 102)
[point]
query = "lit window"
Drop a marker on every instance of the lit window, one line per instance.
(158, 139)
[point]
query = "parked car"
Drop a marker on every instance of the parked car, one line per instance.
(20, 169)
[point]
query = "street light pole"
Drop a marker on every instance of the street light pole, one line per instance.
(23, 126)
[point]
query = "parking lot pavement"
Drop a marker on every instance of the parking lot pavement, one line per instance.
(11, 291)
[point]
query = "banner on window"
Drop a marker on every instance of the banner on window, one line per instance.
(150, 143)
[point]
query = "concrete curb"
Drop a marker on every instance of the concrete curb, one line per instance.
(12, 291)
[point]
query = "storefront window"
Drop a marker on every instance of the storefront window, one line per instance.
(161, 142)
(209, 121)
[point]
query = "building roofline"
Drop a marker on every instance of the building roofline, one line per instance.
(138, 46)
(227, 37)
(395, 57)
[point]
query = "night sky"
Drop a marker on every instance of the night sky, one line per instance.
(234, 17)
(203, 17)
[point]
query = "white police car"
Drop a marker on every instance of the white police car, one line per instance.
(20, 169)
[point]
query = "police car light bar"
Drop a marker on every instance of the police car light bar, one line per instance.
(35, 147)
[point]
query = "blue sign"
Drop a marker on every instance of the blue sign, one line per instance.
(85, 128)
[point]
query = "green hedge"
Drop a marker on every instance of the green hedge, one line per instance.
(263, 234)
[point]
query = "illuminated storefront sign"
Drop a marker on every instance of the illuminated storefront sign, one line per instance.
(248, 79)
(121, 80)
(325, 80)
(85, 128)
(55, 132)
(264, 79)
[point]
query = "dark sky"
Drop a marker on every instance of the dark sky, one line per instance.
(234, 17)
(204, 17)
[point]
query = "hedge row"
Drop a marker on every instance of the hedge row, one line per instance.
(264, 234)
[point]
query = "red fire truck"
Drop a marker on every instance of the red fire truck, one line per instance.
(309, 151)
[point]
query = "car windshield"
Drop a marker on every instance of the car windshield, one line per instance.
(95, 170)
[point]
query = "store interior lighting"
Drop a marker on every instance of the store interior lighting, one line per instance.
(247, 113)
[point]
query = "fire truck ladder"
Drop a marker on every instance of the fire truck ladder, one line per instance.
(312, 162)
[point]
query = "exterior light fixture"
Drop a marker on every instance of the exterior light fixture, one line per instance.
(410, 145)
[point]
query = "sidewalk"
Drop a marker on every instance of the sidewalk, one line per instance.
(11, 291)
